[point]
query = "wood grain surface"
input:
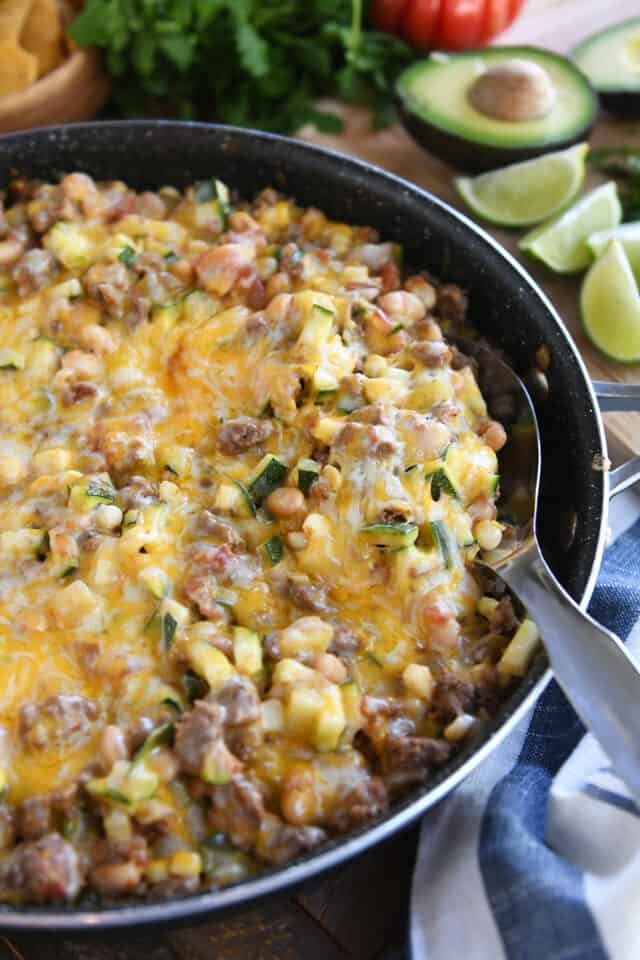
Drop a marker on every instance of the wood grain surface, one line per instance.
(558, 25)
(360, 910)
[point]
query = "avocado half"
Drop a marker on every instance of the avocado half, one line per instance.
(611, 61)
(433, 97)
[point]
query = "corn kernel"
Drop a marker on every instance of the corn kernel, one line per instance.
(157, 871)
(53, 460)
(486, 607)
(211, 664)
(12, 470)
(519, 652)
(459, 728)
(333, 477)
(72, 604)
(108, 517)
(375, 366)
(488, 533)
(308, 634)
(185, 863)
(272, 716)
(418, 680)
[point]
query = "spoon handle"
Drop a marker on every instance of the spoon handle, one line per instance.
(589, 662)
(617, 396)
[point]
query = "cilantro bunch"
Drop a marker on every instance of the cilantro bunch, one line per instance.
(261, 63)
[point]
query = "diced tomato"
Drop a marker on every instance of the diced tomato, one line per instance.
(420, 21)
(387, 14)
(460, 24)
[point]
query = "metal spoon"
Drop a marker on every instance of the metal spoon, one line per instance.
(590, 663)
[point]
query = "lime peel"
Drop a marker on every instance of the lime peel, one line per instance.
(610, 306)
(526, 193)
(628, 234)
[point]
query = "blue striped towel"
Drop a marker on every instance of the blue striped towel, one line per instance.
(537, 855)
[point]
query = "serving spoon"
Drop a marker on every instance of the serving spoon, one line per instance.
(590, 663)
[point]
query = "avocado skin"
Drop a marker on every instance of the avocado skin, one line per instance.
(471, 156)
(621, 103)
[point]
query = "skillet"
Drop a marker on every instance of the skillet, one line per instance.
(505, 305)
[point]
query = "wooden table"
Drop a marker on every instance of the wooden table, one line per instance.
(360, 910)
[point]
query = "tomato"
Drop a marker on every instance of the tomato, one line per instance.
(445, 24)
(420, 21)
(387, 14)
(460, 24)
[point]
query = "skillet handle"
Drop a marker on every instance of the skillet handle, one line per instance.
(614, 398)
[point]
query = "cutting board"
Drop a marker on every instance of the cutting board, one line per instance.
(557, 25)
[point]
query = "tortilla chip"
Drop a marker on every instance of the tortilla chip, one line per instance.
(18, 69)
(13, 14)
(42, 35)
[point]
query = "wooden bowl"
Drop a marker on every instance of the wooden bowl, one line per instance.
(73, 91)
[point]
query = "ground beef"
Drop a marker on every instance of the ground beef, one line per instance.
(452, 696)
(77, 391)
(43, 870)
(357, 804)
(240, 700)
(408, 760)
(34, 817)
(282, 842)
(127, 446)
(307, 596)
(237, 810)
(503, 619)
(451, 304)
(198, 730)
(344, 641)
(376, 413)
(243, 433)
(138, 493)
(208, 525)
(460, 360)
(200, 589)
(107, 283)
(34, 270)
(55, 721)
(433, 353)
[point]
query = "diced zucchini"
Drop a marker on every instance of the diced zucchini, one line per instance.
(159, 737)
(215, 190)
(233, 497)
(165, 318)
(494, 484)
(302, 709)
(177, 460)
(127, 255)
(226, 597)
(130, 518)
(348, 402)
(443, 482)
(87, 494)
(69, 243)
(43, 359)
(64, 554)
(330, 721)
(308, 472)
(156, 581)
(170, 697)
(520, 651)
(391, 534)
(438, 533)
(247, 651)
(211, 664)
(21, 544)
(267, 476)
(126, 785)
(11, 360)
(219, 765)
(351, 699)
(324, 385)
(273, 550)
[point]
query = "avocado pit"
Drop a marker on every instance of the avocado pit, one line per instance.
(514, 91)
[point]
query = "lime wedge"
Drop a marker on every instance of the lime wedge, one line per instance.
(610, 304)
(561, 243)
(528, 192)
(628, 235)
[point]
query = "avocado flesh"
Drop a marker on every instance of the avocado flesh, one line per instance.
(434, 98)
(611, 61)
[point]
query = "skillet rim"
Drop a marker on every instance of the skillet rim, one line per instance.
(72, 919)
